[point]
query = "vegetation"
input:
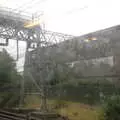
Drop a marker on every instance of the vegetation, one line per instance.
(61, 74)
(73, 110)
(84, 91)
(111, 110)
(9, 80)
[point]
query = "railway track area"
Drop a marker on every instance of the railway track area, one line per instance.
(7, 115)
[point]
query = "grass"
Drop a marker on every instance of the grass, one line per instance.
(74, 111)
(77, 111)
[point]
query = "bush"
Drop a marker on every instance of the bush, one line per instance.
(9, 81)
(111, 110)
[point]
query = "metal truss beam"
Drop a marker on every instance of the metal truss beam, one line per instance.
(31, 35)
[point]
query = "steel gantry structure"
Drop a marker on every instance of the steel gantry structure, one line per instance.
(21, 26)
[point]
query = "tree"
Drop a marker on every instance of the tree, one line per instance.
(111, 110)
(9, 80)
(62, 73)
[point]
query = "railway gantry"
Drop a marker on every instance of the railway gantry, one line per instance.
(21, 26)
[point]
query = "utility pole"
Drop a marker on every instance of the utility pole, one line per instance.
(21, 93)
(41, 64)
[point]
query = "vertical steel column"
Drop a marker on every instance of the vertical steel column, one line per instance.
(17, 49)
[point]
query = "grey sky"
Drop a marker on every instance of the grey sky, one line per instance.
(74, 17)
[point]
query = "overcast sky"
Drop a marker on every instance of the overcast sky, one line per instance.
(75, 17)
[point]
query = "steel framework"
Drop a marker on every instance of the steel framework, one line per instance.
(38, 40)
(12, 27)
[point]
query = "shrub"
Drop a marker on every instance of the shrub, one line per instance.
(111, 110)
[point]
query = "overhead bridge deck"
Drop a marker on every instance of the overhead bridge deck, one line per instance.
(17, 25)
(13, 16)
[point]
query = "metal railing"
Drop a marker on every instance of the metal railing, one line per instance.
(5, 115)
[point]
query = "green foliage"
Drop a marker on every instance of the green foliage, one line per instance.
(111, 110)
(61, 73)
(8, 71)
(9, 80)
(84, 92)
